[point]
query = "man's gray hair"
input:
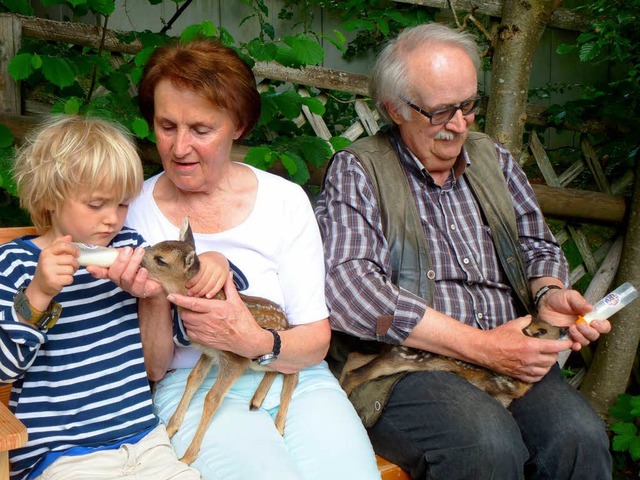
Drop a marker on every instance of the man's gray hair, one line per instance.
(389, 78)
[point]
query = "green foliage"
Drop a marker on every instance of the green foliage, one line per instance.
(84, 80)
(612, 40)
(625, 441)
(373, 21)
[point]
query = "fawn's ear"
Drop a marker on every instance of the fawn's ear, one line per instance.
(186, 234)
(190, 260)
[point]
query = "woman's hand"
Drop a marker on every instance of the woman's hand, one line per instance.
(213, 273)
(223, 324)
(127, 274)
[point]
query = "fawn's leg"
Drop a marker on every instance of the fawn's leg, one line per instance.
(288, 386)
(262, 390)
(193, 382)
(231, 367)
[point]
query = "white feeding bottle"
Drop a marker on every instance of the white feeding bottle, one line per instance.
(95, 254)
(611, 303)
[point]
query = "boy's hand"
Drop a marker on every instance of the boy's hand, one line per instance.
(214, 271)
(56, 266)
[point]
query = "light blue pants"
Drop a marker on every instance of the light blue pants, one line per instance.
(324, 438)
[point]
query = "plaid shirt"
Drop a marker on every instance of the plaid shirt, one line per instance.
(470, 283)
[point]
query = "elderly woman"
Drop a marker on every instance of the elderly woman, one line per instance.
(200, 98)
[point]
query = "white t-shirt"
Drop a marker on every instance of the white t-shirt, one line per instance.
(277, 248)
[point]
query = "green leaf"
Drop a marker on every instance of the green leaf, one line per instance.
(305, 50)
(262, 51)
(140, 127)
(589, 51)
(143, 56)
(624, 428)
(289, 103)
(6, 137)
(339, 41)
(359, 24)
(300, 174)
(285, 56)
(314, 105)
(269, 109)
(289, 164)
(102, 7)
(72, 106)
(19, 6)
(260, 157)
(117, 82)
(565, 48)
(268, 29)
(136, 75)
(57, 71)
(315, 150)
(338, 143)
(21, 67)
(621, 443)
(634, 448)
(383, 26)
(208, 29)
(190, 33)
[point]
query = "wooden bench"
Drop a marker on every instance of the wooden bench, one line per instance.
(13, 434)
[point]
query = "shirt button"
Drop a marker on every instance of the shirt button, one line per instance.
(431, 274)
(453, 227)
(465, 261)
(480, 316)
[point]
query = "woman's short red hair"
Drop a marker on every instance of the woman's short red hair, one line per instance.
(206, 68)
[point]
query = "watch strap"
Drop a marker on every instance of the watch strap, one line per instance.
(273, 355)
(41, 319)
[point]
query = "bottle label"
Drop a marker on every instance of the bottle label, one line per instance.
(612, 299)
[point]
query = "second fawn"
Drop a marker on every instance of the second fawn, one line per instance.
(361, 368)
(172, 263)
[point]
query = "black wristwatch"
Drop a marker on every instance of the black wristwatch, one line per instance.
(273, 355)
(42, 320)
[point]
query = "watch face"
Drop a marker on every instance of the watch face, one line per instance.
(21, 304)
(265, 359)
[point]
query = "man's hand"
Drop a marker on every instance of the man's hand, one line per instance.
(563, 307)
(511, 352)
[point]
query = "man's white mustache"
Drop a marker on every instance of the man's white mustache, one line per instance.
(445, 135)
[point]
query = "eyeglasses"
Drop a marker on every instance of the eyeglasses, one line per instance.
(440, 117)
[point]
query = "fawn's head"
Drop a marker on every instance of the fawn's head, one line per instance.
(173, 262)
(541, 329)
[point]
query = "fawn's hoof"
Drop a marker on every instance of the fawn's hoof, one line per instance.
(189, 457)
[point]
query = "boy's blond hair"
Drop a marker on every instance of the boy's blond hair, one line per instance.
(70, 154)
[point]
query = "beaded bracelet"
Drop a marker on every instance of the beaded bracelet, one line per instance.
(541, 293)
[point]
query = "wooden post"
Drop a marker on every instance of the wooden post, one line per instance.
(10, 38)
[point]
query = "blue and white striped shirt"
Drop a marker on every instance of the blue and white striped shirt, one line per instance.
(470, 283)
(83, 382)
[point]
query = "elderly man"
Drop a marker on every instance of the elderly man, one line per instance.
(434, 240)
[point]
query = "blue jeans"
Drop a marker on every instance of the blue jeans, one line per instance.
(439, 426)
